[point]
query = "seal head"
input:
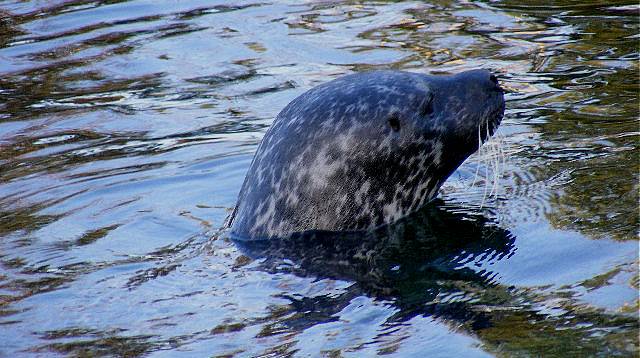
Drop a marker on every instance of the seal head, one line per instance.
(363, 151)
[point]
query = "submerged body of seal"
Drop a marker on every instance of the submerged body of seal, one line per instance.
(364, 150)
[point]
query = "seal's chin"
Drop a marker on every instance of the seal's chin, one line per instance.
(494, 120)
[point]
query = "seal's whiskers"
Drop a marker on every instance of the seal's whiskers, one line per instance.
(491, 154)
(495, 148)
(486, 173)
(475, 176)
(501, 160)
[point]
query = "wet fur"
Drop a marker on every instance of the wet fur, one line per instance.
(363, 151)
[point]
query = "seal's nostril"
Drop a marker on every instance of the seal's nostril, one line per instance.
(495, 84)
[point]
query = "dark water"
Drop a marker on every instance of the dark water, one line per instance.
(126, 128)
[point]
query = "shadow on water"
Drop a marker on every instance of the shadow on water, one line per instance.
(429, 265)
(404, 261)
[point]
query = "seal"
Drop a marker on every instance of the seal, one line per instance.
(363, 151)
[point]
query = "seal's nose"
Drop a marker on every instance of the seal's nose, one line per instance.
(493, 79)
(483, 79)
(494, 84)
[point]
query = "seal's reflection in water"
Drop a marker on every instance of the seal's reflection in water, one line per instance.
(415, 263)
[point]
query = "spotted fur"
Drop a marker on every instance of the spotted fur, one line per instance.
(363, 150)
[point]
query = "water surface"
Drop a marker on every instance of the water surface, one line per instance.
(126, 129)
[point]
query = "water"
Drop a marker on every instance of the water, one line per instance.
(126, 128)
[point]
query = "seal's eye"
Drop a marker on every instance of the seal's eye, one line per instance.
(394, 122)
(493, 79)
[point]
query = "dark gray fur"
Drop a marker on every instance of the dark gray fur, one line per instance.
(364, 150)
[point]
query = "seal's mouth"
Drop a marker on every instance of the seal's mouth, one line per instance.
(489, 123)
(495, 118)
(482, 96)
